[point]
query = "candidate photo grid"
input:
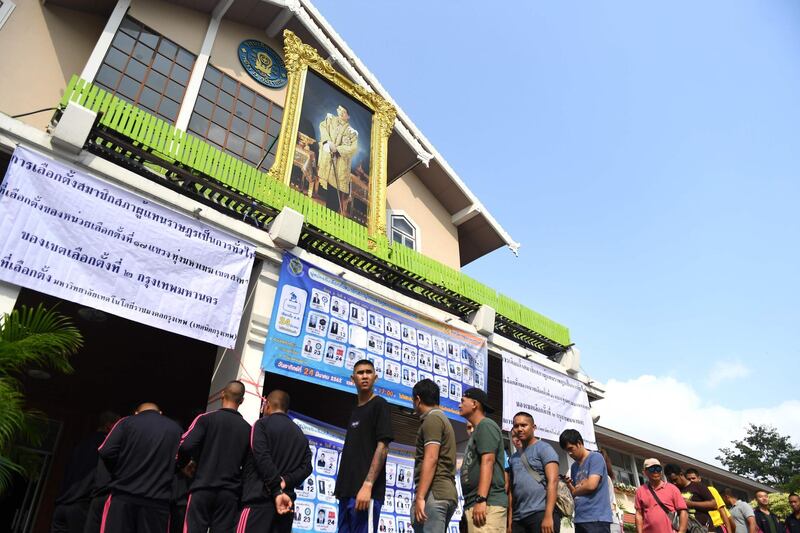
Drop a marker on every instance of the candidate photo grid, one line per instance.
(402, 353)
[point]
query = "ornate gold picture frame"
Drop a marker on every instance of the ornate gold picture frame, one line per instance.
(334, 138)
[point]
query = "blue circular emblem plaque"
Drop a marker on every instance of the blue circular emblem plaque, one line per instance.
(262, 63)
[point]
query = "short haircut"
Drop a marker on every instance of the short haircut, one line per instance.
(672, 468)
(794, 495)
(525, 414)
(363, 362)
(728, 493)
(569, 436)
(428, 392)
(279, 400)
(234, 390)
(762, 490)
(692, 470)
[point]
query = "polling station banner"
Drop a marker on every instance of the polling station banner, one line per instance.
(316, 508)
(74, 236)
(556, 401)
(321, 325)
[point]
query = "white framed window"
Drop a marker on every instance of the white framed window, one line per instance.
(6, 7)
(403, 230)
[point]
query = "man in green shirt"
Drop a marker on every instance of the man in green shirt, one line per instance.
(482, 477)
(434, 463)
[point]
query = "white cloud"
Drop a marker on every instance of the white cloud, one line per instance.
(722, 371)
(670, 413)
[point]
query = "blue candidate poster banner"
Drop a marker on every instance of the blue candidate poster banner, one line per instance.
(321, 325)
(316, 509)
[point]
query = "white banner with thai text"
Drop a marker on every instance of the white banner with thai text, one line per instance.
(556, 401)
(74, 236)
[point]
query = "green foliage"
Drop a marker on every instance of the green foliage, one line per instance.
(29, 338)
(764, 455)
(778, 504)
(793, 485)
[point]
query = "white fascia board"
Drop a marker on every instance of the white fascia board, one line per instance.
(347, 60)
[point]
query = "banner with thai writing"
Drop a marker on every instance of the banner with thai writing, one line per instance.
(74, 236)
(316, 508)
(321, 325)
(556, 401)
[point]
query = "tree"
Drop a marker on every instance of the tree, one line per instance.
(764, 455)
(28, 338)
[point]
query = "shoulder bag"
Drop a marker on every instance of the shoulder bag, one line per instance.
(692, 526)
(564, 501)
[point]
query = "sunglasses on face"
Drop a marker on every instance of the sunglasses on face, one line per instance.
(654, 469)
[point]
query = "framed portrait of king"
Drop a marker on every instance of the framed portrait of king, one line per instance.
(333, 141)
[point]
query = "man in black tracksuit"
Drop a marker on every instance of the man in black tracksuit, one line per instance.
(215, 447)
(279, 461)
(72, 504)
(139, 453)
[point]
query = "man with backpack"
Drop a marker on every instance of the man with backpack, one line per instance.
(533, 481)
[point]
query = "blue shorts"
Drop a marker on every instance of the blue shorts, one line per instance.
(352, 521)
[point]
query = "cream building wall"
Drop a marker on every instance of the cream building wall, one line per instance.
(439, 236)
(224, 56)
(187, 27)
(42, 46)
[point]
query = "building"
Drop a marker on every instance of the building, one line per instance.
(193, 112)
(177, 109)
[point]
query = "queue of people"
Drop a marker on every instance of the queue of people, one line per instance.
(222, 475)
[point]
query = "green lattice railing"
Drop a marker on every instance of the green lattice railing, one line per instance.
(178, 147)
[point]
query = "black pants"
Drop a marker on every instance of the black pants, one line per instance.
(262, 518)
(70, 517)
(95, 514)
(177, 514)
(533, 523)
(124, 514)
(593, 527)
(214, 509)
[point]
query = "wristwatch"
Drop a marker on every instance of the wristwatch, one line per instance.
(480, 499)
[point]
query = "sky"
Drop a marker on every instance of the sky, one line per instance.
(647, 157)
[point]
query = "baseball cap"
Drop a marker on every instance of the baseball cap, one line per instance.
(479, 396)
(651, 462)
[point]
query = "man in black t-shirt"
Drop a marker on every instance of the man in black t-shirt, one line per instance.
(361, 481)
(766, 521)
(793, 520)
(698, 498)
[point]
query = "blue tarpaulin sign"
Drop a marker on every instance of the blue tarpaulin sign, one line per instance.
(321, 325)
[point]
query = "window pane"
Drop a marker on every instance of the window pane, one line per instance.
(148, 37)
(268, 162)
(149, 99)
(123, 42)
(180, 74)
(253, 153)
(168, 49)
(198, 125)
(228, 85)
(185, 58)
(128, 88)
(216, 134)
(175, 91)
(397, 236)
(136, 70)
(246, 96)
(156, 81)
(256, 136)
(235, 144)
(243, 110)
(143, 53)
(108, 77)
(213, 75)
(239, 126)
(116, 59)
(162, 64)
(208, 90)
(169, 109)
(130, 27)
(203, 107)
(262, 104)
(400, 223)
(225, 100)
(259, 121)
(277, 112)
(274, 128)
(221, 117)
